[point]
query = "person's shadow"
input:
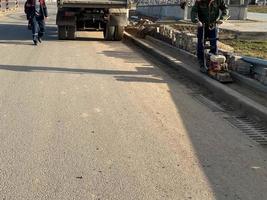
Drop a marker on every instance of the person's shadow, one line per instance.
(19, 34)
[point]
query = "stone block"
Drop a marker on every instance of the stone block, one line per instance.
(237, 64)
(262, 79)
(261, 70)
(178, 37)
(188, 42)
(260, 73)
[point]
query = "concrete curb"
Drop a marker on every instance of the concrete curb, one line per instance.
(223, 92)
(248, 82)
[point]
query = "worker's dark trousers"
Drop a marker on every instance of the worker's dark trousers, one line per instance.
(38, 27)
(210, 34)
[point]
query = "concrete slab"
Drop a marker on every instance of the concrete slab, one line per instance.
(257, 16)
(255, 27)
(242, 29)
(245, 26)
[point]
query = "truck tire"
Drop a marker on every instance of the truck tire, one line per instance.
(71, 32)
(109, 32)
(62, 32)
(118, 33)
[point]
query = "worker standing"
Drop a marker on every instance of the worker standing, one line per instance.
(36, 12)
(206, 13)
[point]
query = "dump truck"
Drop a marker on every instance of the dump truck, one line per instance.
(109, 16)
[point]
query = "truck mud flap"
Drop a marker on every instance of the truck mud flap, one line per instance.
(65, 20)
(118, 19)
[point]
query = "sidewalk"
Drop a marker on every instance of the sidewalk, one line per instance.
(253, 28)
(257, 16)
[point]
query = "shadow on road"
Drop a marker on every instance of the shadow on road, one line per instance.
(138, 79)
(128, 57)
(18, 34)
(131, 76)
(89, 39)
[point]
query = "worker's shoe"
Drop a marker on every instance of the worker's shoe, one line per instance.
(39, 39)
(202, 68)
(35, 42)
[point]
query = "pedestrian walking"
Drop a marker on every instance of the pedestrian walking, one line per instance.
(36, 12)
(207, 13)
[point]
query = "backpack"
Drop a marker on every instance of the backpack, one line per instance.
(28, 8)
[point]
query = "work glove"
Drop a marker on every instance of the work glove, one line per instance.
(199, 24)
(219, 22)
(225, 17)
(222, 19)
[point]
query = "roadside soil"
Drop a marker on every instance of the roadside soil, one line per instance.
(254, 48)
(257, 9)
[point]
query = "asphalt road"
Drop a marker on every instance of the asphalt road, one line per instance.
(96, 120)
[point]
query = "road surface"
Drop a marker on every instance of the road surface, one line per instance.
(96, 120)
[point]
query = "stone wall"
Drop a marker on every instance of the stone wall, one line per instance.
(163, 11)
(183, 38)
(237, 12)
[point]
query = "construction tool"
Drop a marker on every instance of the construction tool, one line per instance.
(215, 64)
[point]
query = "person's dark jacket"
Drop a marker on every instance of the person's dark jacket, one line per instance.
(29, 9)
(208, 11)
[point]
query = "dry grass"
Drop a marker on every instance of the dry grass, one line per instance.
(258, 9)
(254, 48)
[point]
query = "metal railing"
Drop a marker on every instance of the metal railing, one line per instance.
(189, 2)
(163, 2)
(157, 2)
(7, 5)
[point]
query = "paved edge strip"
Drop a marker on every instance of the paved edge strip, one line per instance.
(250, 83)
(223, 92)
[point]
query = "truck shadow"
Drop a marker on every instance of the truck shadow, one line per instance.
(18, 33)
(89, 39)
